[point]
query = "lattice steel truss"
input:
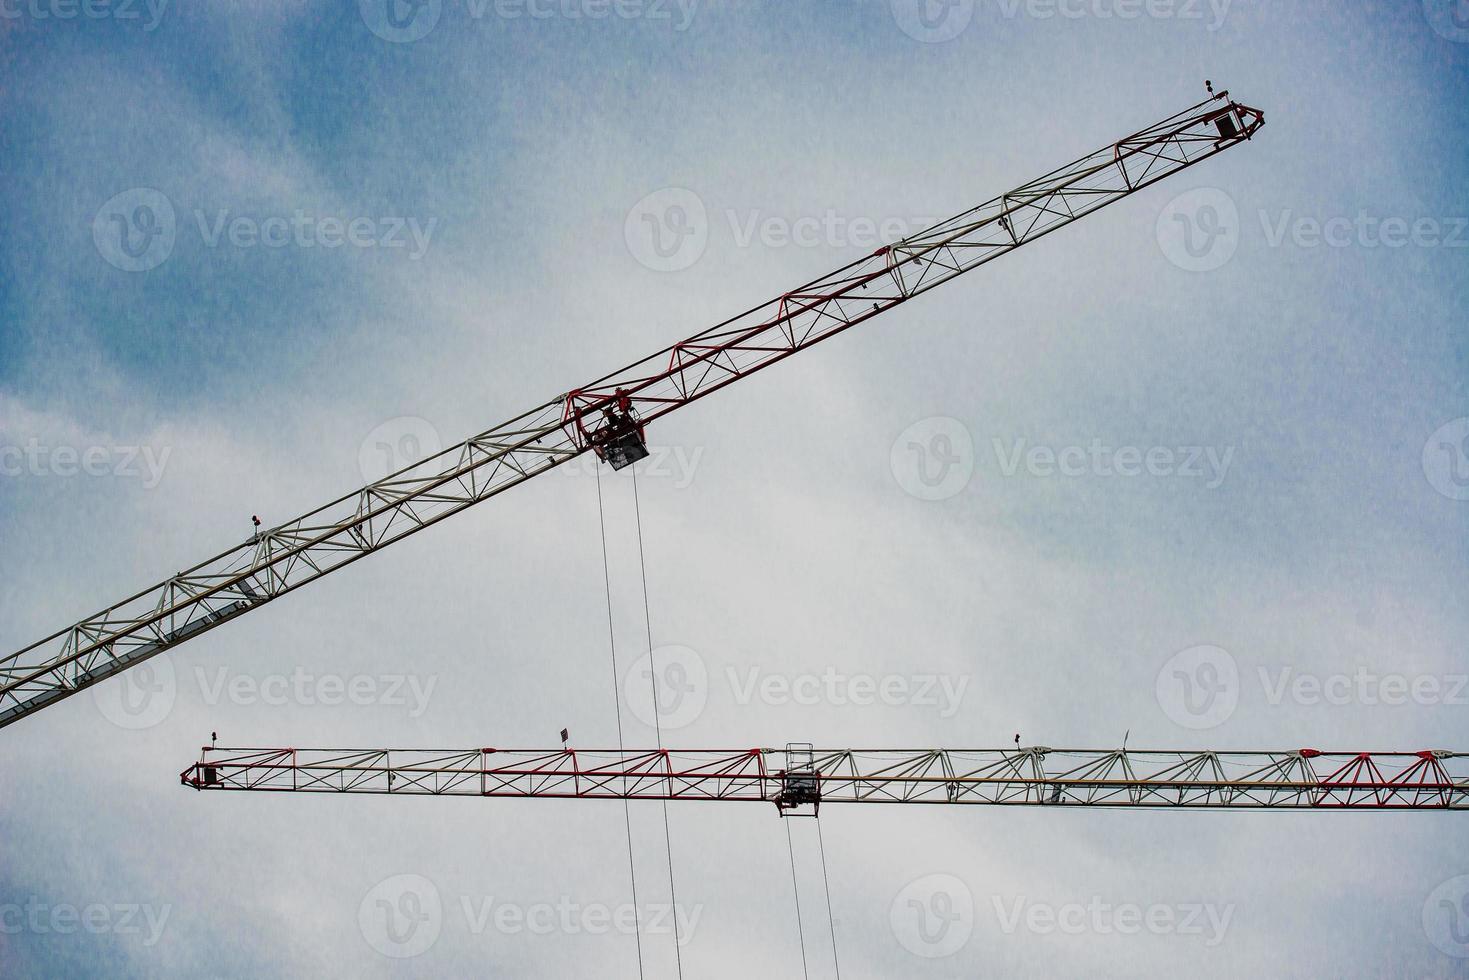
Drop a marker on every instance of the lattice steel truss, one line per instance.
(283, 558)
(1037, 776)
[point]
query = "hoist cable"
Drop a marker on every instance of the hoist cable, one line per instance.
(826, 882)
(657, 722)
(632, 872)
(796, 891)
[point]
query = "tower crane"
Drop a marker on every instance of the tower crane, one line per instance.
(606, 416)
(800, 778)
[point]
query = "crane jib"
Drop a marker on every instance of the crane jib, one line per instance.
(800, 778)
(607, 416)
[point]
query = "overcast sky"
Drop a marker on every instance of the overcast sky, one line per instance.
(356, 234)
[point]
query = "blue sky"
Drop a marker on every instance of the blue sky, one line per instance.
(494, 170)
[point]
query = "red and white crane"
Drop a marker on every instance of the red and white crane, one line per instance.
(800, 778)
(607, 415)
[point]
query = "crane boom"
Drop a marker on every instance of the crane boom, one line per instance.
(802, 777)
(606, 415)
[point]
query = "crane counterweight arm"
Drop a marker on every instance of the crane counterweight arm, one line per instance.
(802, 777)
(606, 416)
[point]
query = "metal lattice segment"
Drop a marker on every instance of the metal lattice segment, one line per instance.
(898, 272)
(1300, 779)
(277, 561)
(274, 562)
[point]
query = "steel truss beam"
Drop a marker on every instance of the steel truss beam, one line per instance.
(1038, 776)
(276, 561)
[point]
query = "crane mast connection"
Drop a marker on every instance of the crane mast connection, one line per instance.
(606, 416)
